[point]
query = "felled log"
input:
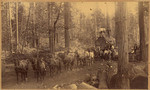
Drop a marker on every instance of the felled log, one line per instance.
(84, 85)
(72, 86)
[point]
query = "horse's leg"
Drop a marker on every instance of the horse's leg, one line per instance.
(66, 65)
(72, 65)
(50, 71)
(17, 77)
(37, 72)
(26, 76)
(40, 75)
(53, 70)
(57, 69)
(21, 76)
(90, 62)
(60, 67)
(43, 75)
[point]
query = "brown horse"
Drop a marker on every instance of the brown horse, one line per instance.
(21, 66)
(54, 62)
(39, 68)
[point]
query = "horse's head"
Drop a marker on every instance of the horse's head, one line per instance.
(16, 62)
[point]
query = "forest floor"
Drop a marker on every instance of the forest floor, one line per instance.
(65, 77)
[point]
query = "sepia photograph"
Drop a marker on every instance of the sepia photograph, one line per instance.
(74, 45)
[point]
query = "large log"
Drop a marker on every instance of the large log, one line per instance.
(72, 86)
(84, 85)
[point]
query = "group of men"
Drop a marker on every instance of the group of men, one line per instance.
(107, 53)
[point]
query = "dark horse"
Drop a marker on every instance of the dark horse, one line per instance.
(21, 66)
(39, 68)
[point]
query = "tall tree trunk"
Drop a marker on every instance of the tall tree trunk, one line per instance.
(95, 26)
(50, 5)
(80, 22)
(57, 18)
(17, 42)
(142, 32)
(48, 8)
(34, 20)
(35, 29)
(66, 22)
(33, 23)
(25, 40)
(10, 26)
(116, 23)
(107, 21)
(122, 47)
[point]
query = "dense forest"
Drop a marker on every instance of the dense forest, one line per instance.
(51, 27)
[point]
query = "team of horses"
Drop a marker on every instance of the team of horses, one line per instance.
(54, 63)
(51, 62)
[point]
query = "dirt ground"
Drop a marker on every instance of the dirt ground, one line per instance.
(78, 74)
(9, 80)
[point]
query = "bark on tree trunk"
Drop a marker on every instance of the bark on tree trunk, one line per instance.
(34, 19)
(17, 42)
(116, 24)
(10, 26)
(66, 20)
(96, 28)
(49, 25)
(33, 23)
(122, 47)
(50, 29)
(142, 32)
